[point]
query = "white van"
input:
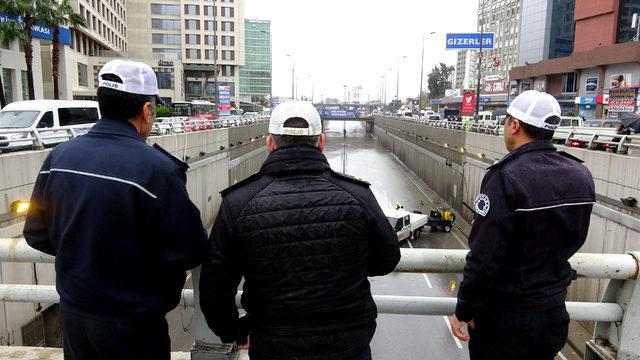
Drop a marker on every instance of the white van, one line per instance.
(19, 120)
(487, 118)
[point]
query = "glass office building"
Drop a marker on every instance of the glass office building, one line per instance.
(563, 29)
(627, 9)
(255, 76)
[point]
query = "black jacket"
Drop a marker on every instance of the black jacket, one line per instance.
(305, 239)
(532, 215)
(116, 214)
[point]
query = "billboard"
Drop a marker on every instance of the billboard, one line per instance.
(39, 31)
(224, 99)
(469, 41)
(468, 103)
(349, 113)
(622, 100)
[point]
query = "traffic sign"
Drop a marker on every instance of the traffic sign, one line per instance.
(470, 41)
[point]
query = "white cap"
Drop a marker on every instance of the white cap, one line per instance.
(295, 109)
(137, 78)
(534, 108)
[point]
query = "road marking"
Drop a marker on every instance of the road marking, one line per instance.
(423, 274)
(464, 246)
(562, 357)
(446, 319)
(458, 343)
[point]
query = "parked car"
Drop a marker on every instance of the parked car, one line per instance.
(571, 121)
(19, 120)
(608, 123)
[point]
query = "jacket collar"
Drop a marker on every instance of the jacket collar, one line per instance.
(538, 145)
(116, 127)
(299, 158)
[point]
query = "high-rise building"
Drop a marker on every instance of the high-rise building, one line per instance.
(200, 35)
(547, 30)
(255, 76)
(105, 35)
(466, 67)
(501, 17)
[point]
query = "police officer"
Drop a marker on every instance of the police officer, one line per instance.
(305, 239)
(116, 214)
(532, 215)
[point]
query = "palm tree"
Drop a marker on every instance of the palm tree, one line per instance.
(62, 15)
(10, 30)
(32, 12)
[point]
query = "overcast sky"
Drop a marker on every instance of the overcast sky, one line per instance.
(352, 42)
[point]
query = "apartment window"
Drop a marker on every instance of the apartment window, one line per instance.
(192, 24)
(227, 11)
(193, 54)
(7, 81)
(210, 54)
(210, 25)
(227, 70)
(569, 83)
(82, 75)
(166, 39)
(227, 1)
(228, 41)
(192, 10)
(227, 26)
(165, 79)
(192, 39)
(173, 53)
(194, 87)
(161, 9)
(209, 10)
(209, 40)
(228, 55)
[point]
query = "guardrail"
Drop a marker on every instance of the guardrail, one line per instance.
(589, 138)
(38, 139)
(617, 315)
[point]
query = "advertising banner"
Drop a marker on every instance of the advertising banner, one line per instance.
(468, 103)
(40, 31)
(470, 41)
(622, 100)
(224, 99)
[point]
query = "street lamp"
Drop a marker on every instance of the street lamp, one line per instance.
(398, 78)
(293, 77)
(345, 94)
(422, 75)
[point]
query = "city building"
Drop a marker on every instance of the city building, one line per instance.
(255, 76)
(465, 75)
(105, 35)
(602, 63)
(501, 17)
(547, 30)
(13, 70)
(197, 36)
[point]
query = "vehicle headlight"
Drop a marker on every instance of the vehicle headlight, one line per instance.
(18, 136)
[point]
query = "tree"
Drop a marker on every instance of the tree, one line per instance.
(10, 30)
(61, 15)
(31, 12)
(163, 111)
(424, 100)
(438, 80)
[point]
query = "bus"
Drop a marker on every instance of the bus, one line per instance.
(194, 110)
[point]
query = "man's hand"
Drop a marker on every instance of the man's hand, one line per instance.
(244, 346)
(456, 328)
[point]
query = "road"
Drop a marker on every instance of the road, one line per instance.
(398, 337)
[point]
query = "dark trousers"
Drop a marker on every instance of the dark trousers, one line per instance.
(517, 335)
(86, 337)
(352, 344)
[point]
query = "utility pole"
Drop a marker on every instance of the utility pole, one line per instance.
(293, 77)
(215, 61)
(479, 71)
(421, 79)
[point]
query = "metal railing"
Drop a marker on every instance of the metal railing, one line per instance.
(38, 139)
(617, 311)
(589, 138)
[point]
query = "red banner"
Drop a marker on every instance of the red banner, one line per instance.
(468, 103)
